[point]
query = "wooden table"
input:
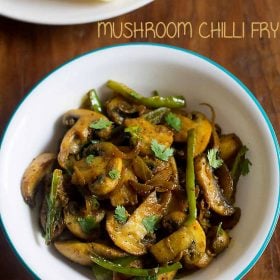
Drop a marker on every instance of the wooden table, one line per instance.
(28, 52)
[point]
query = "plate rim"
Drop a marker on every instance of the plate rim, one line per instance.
(90, 19)
(192, 53)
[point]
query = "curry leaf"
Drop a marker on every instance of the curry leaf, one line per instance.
(213, 158)
(161, 151)
(120, 214)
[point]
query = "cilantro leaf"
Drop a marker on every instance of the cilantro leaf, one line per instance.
(245, 166)
(173, 121)
(213, 158)
(87, 224)
(114, 174)
(121, 214)
(150, 223)
(100, 124)
(161, 151)
(89, 159)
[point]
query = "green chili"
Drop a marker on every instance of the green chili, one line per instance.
(156, 115)
(54, 207)
(134, 271)
(94, 101)
(172, 102)
(190, 177)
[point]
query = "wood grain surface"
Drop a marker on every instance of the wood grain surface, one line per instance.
(28, 52)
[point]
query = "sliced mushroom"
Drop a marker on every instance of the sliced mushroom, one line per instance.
(225, 182)
(96, 174)
(78, 134)
(149, 132)
(212, 192)
(218, 239)
(174, 220)
(190, 235)
(202, 262)
(129, 236)
(35, 172)
(80, 252)
(118, 109)
(124, 194)
(203, 130)
(167, 276)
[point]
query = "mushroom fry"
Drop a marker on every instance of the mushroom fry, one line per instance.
(139, 188)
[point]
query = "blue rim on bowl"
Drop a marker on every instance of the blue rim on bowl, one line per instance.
(250, 94)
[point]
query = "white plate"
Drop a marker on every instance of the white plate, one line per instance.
(60, 12)
(145, 67)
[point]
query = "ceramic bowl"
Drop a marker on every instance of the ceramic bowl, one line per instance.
(35, 126)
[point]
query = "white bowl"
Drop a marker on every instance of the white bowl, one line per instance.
(67, 11)
(145, 67)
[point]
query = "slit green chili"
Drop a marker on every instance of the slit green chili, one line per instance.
(94, 101)
(156, 115)
(171, 102)
(190, 177)
(54, 207)
(134, 271)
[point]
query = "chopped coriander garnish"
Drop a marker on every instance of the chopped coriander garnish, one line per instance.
(214, 159)
(150, 223)
(89, 159)
(173, 121)
(100, 124)
(245, 166)
(87, 224)
(161, 151)
(121, 214)
(114, 174)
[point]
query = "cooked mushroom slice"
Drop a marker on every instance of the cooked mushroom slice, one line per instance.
(124, 194)
(35, 172)
(229, 146)
(203, 130)
(225, 182)
(202, 262)
(108, 181)
(83, 226)
(118, 109)
(78, 134)
(212, 192)
(101, 174)
(189, 236)
(129, 236)
(146, 132)
(218, 239)
(167, 276)
(173, 220)
(80, 252)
